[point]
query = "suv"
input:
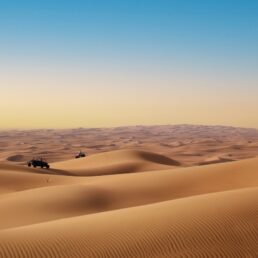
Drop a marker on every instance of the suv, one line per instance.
(38, 163)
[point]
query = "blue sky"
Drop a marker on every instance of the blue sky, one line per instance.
(198, 40)
(209, 29)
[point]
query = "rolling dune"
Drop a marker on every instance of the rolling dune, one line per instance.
(96, 207)
(173, 141)
(116, 162)
(188, 227)
(52, 197)
(14, 178)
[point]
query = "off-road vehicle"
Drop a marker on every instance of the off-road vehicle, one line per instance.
(80, 155)
(38, 163)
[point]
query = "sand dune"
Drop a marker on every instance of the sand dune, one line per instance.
(215, 160)
(96, 207)
(15, 178)
(172, 141)
(116, 162)
(188, 227)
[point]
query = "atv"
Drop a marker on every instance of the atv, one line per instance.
(38, 163)
(80, 155)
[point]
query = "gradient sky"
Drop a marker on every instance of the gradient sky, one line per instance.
(95, 63)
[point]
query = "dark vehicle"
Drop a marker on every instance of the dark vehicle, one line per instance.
(80, 155)
(38, 163)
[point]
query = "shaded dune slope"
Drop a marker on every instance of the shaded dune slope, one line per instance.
(15, 158)
(188, 227)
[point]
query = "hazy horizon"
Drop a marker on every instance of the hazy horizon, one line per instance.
(124, 126)
(111, 63)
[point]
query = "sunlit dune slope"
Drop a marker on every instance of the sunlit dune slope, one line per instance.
(15, 178)
(215, 160)
(212, 225)
(116, 162)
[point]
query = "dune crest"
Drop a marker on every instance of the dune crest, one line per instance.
(116, 162)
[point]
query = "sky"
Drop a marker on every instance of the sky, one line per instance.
(105, 63)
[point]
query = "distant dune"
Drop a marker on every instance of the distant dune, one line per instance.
(96, 207)
(187, 144)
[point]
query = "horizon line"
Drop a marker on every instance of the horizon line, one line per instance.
(124, 126)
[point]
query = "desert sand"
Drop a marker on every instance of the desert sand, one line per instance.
(188, 144)
(159, 194)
